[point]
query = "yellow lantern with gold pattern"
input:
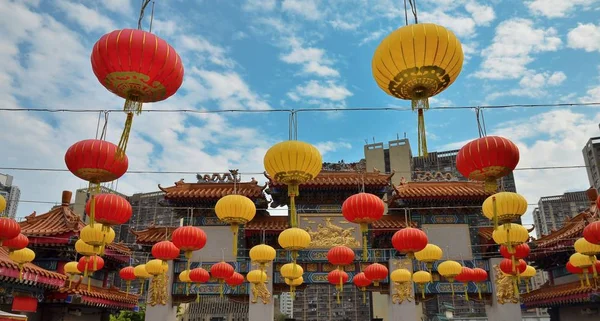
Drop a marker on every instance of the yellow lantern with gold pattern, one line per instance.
(421, 278)
(159, 283)
(527, 275)
(293, 285)
(71, 270)
(235, 210)
(262, 254)
(504, 207)
(583, 262)
(416, 62)
(450, 269)
(293, 163)
(294, 239)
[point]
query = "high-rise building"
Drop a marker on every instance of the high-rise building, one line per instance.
(397, 157)
(553, 210)
(318, 302)
(11, 194)
(286, 304)
(591, 157)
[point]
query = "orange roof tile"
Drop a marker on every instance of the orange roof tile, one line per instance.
(572, 228)
(552, 294)
(390, 222)
(269, 223)
(212, 190)
(428, 190)
(58, 221)
(6, 262)
(109, 294)
(334, 178)
(153, 234)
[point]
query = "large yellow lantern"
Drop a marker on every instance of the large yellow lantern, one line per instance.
(85, 249)
(22, 257)
(400, 276)
(71, 270)
(421, 278)
(291, 271)
(293, 285)
(429, 255)
(504, 207)
(97, 236)
(510, 234)
(235, 210)
(256, 276)
(156, 267)
(527, 275)
(450, 269)
(262, 254)
(293, 163)
(416, 62)
(142, 274)
(590, 249)
(294, 239)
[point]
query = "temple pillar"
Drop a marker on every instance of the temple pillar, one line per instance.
(496, 311)
(259, 311)
(407, 310)
(166, 312)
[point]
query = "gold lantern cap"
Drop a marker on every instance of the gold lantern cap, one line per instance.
(71, 268)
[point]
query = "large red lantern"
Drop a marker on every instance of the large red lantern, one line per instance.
(9, 229)
(127, 274)
(479, 276)
(591, 232)
(16, 243)
(506, 266)
(189, 239)
(363, 209)
(340, 255)
(409, 240)
(520, 251)
(465, 276)
(90, 264)
(361, 282)
(221, 271)
(487, 159)
(376, 272)
(338, 278)
(235, 280)
(110, 209)
(165, 250)
(198, 276)
(138, 66)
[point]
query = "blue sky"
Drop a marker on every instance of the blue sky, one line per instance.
(266, 54)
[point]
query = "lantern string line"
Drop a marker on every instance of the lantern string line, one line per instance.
(405, 13)
(151, 17)
(141, 17)
(413, 8)
(98, 124)
(105, 126)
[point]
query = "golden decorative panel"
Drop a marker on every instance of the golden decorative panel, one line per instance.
(331, 230)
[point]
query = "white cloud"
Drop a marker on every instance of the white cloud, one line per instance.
(585, 36)
(533, 85)
(344, 24)
(320, 90)
(558, 8)
(373, 36)
(556, 78)
(330, 146)
(164, 28)
(309, 9)
(229, 89)
(201, 47)
(513, 45)
(312, 59)
(119, 6)
(89, 19)
(482, 14)
(259, 5)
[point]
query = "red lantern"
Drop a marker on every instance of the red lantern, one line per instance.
(340, 255)
(221, 271)
(409, 240)
(520, 251)
(376, 272)
(137, 66)
(90, 264)
(573, 269)
(93, 160)
(199, 275)
(165, 250)
(487, 159)
(9, 229)
(591, 233)
(338, 278)
(16, 243)
(127, 274)
(506, 266)
(189, 239)
(361, 282)
(110, 209)
(235, 280)
(465, 276)
(363, 209)
(479, 276)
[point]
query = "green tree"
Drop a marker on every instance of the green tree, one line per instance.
(129, 316)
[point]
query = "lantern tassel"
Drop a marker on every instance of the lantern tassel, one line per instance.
(197, 294)
(187, 288)
(421, 134)
(20, 272)
(188, 256)
(221, 288)
(70, 281)
(478, 290)
(466, 291)
(581, 281)
(338, 297)
(593, 259)
(122, 147)
(89, 283)
(516, 287)
(293, 190)
(495, 213)
(142, 287)
(364, 229)
(128, 286)
(452, 287)
(234, 229)
(364, 296)
(527, 286)
(587, 278)
(92, 209)
(423, 290)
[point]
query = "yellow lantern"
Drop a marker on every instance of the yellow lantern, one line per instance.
(504, 207)
(450, 269)
(71, 270)
(140, 273)
(262, 254)
(184, 277)
(590, 249)
(256, 276)
(291, 271)
(158, 285)
(400, 276)
(293, 284)
(293, 163)
(22, 257)
(97, 236)
(510, 234)
(421, 278)
(2, 204)
(583, 262)
(85, 249)
(416, 62)
(156, 267)
(235, 210)
(294, 239)
(429, 255)
(527, 275)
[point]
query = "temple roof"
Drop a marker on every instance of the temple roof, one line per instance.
(572, 229)
(108, 297)
(340, 178)
(280, 223)
(440, 190)
(549, 295)
(213, 188)
(57, 225)
(31, 272)
(153, 234)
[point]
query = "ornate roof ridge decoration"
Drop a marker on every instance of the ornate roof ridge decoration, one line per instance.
(571, 228)
(280, 223)
(343, 178)
(342, 166)
(10, 269)
(110, 294)
(548, 294)
(153, 234)
(214, 187)
(439, 190)
(435, 176)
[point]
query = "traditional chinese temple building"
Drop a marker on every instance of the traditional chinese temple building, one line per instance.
(563, 294)
(448, 210)
(52, 236)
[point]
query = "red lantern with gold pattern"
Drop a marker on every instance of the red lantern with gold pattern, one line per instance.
(591, 233)
(221, 271)
(189, 239)
(506, 266)
(520, 251)
(363, 209)
(235, 280)
(9, 229)
(376, 272)
(409, 240)
(94, 160)
(165, 250)
(138, 66)
(16, 243)
(110, 209)
(487, 159)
